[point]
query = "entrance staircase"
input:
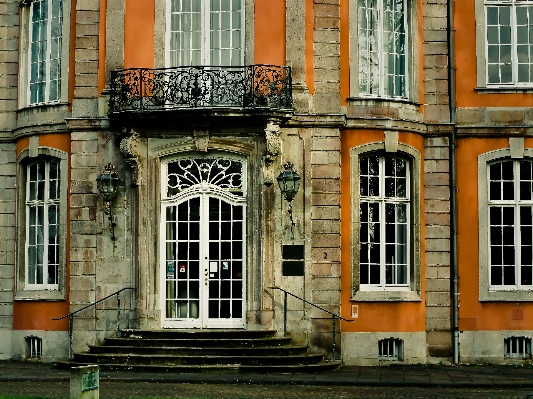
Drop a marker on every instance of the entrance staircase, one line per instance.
(189, 351)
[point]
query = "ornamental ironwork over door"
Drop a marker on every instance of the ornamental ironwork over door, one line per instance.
(204, 251)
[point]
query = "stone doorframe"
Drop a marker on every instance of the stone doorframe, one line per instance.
(144, 153)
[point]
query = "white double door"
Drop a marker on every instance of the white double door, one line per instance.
(203, 262)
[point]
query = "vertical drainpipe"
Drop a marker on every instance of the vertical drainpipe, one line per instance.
(453, 188)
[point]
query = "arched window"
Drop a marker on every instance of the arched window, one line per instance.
(384, 221)
(385, 218)
(510, 212)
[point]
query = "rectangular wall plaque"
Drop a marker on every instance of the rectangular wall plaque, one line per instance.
(89, 381)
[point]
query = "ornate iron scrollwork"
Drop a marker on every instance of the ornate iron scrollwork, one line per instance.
(254, 86)
(224, 173)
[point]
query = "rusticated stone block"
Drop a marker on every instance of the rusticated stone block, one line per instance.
(326, 185)
(437, 244)
(326, 240)
(506, 116)
(325, 171)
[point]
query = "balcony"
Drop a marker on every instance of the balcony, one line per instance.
(252, 90)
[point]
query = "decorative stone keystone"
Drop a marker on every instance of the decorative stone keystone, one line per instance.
(85, 382)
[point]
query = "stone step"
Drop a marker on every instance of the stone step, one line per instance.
(210, 368)
(196, 334)
(200, 342)
(202, 351)
(140, 359)
(185, 351)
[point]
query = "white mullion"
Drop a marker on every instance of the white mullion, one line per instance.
(406, 51)
(516, 211)
(242, 44)
(48, 54)
(27, 245)
(382, 213)
(30, 54)
(206, 32)
(46, 226)
(381, 80)
(514, 41)
(203, 290)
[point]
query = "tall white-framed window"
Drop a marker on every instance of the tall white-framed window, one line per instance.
(205, 32)
(384, 222)
(42, 243)
(510, 222)
(45, 47)
(383, 48)
(509, 42)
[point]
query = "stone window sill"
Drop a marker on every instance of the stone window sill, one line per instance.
(386, 296)
(39, 295)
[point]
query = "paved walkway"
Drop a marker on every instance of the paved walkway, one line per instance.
(385, 376)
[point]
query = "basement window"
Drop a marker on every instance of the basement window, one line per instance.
(517, 347)
(34, 347)
(390, 349)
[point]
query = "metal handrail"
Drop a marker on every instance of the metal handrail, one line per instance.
(333, 316)
(71, 319)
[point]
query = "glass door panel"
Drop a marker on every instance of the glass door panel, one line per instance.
(183, 260)
(226, 254)
(204, 258)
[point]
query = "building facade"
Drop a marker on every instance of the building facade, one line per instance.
(412, 146)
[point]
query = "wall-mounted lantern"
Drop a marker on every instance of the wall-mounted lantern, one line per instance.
(107, 184)
(289, 183)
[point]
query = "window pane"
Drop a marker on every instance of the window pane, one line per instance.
(383, 222)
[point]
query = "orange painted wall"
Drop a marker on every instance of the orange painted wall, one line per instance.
(139, 34)
(475, 315)
(269, 39)
(465, 62)
(36, 315)
(374, 316)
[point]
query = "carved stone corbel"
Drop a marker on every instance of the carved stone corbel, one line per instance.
(129, 149)
(273, 149)
(201, 140)
(273, 142)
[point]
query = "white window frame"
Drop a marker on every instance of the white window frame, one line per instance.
(46, 82)
(185, 189)
(205, 40)
(45, 203)
(45, 291)
(483, 45)
(516, 203)
(381, 53)
(383, 201)
(486, 291)
(412, 292)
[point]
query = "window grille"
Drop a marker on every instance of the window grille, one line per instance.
(517, 347)
(42, 224)
(382, 31)
(509, 38)
(390, 349)
(45, 51)
(511, 222)
(384, 222)
(35, 347)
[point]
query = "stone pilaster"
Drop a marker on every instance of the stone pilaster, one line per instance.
(326, 98)
(437, 243)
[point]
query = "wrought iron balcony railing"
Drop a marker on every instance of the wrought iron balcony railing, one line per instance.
(253, 86)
